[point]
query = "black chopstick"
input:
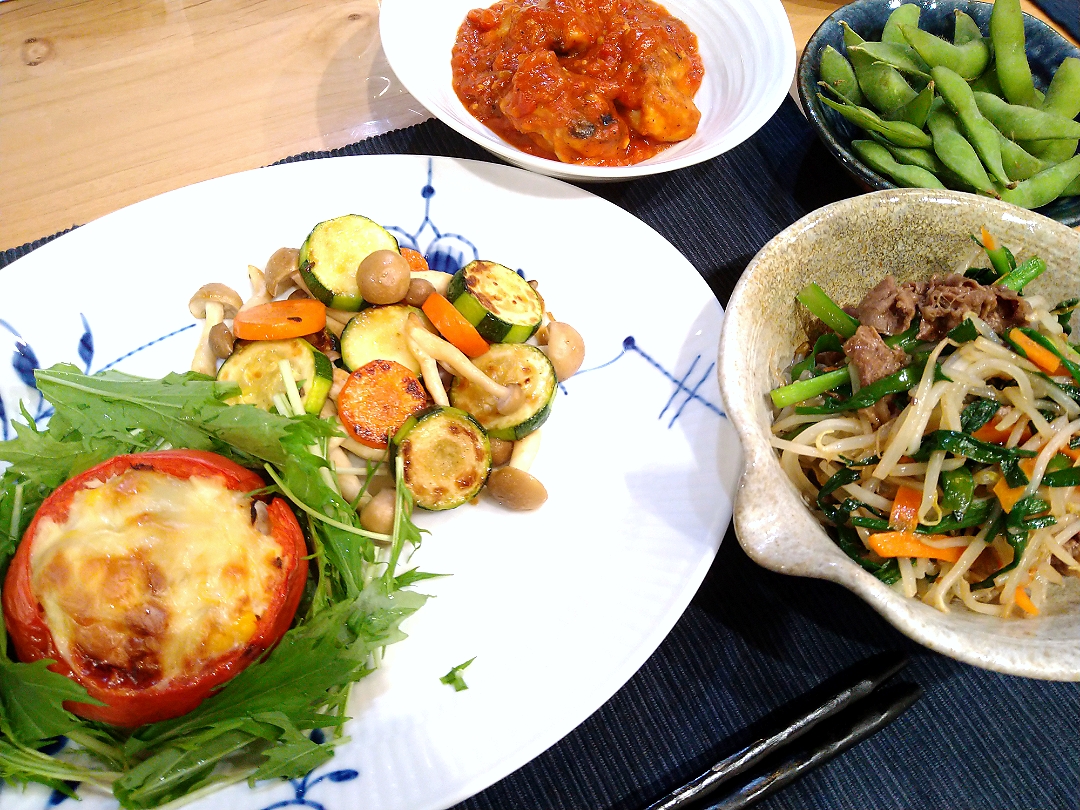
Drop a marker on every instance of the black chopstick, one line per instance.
(855, 684)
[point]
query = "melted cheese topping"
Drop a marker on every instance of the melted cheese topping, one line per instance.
(152, 576)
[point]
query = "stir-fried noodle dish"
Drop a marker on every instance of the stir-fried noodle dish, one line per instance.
(934, 429)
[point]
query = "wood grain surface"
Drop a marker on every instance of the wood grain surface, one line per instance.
(107, 102)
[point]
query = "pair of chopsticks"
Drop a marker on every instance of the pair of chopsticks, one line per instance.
(855, 709)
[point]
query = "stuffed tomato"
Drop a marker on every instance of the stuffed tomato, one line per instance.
(152, 579)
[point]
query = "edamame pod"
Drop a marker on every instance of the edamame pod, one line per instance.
(906, 14)
(902, 57)
(1044, 187)
(879, 158)
(1063, 98)
(1018, 163)
(1073, 189)
(882, 85)
(850, 37)
(923, 158)
(1020, 123)
(966, 29)
(916, 110)
(1010, 54)
(838, 74)
(899, 132)
(969, 59)
(988, 81)
(953, 149)
(980, 132)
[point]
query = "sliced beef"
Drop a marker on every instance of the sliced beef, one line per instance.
(888, 308)
(942, 303)
(870, 357)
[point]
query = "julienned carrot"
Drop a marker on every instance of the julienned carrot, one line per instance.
(453, 326)
(1008, 496)
(992, 434)
(416, 260)
(280, 320)
(904, 544)
(1023, 601)
(377, 399)
(904, 516)
(1040, 356)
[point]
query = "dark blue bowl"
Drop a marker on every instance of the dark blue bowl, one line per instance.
(1046, 49)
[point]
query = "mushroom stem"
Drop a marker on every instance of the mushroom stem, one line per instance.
(363, 451)
(525, 450)
(204, 361)
(452, 357)
(429, 369)
(436, 278)
(348, 484)
(259, 295)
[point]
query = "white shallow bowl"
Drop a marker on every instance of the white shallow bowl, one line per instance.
(746, 46)
(847, 248)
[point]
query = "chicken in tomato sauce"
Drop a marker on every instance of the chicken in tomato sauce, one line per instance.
(593, 82)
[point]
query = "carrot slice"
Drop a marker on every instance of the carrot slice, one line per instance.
(453, 326)
(1023, 601)
(992, 434)
(904, 516)
(416, 260)
(377, 399)
(904, 544)
(1008, 496)
(280, 320)
(1039, 355)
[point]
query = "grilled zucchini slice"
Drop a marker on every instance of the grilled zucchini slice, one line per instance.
(509, 363)
(255, 367)
(446, 457)
(378, 333)
(497, 301)
(332, 253)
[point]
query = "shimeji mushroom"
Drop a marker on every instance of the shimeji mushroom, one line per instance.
(215, 303)
(259, 294)
(513, 486)
(428, 347)
(281, 267)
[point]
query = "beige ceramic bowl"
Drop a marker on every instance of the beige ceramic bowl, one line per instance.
(847, 248)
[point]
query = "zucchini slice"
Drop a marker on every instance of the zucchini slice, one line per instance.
(378, 333)
(497, 301)
(332, 253)
(509, 363)
(255, 367)
(446, 457)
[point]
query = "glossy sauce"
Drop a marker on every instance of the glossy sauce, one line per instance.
(594, 82)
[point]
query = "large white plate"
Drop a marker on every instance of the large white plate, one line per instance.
(746, 47)
(560, 606)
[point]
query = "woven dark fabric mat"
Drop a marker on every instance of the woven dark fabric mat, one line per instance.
(751, 641)
(1065, 13)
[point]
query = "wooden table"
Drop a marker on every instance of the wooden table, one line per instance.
(108, 102)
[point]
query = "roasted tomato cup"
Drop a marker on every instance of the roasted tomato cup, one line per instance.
(152, 579)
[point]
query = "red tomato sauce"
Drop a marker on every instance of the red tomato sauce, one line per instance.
(594, 82)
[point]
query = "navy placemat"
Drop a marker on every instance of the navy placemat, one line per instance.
(1065, 13)
(752, 640)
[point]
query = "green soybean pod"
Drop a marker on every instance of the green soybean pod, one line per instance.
(882, 85)
(1020, 123)
(980, 132)
(916, 110)
(965, 29)
(988, 81)
(879, 158)
(850, 37)
(1072, 190)
(953, 149)
(899, 132)
(1018, 162)
(969, 59)
(902, 57)
(923, 158)
(1007, 36)
(906, 14)
(1044, 187)
(839, 75)
(1063, 98)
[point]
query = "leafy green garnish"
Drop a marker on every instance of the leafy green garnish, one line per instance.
(257, 722)
(453, 677)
